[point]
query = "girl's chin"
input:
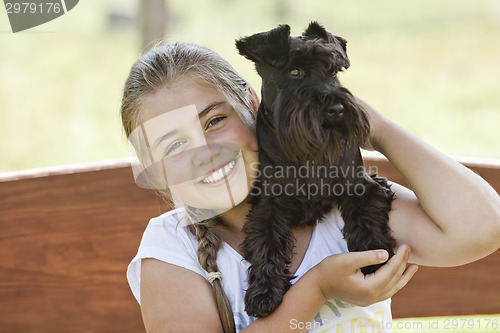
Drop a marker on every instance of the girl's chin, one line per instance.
(225, 200)
(214, 198)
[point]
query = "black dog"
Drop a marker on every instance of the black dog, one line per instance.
(306, 119)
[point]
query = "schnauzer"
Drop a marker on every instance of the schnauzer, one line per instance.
(306, 119)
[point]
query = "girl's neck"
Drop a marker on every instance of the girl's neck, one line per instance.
(232, 226)
(234, 219)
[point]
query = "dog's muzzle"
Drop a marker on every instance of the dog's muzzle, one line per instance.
(334, 114)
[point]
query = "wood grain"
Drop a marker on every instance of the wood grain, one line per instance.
(65, 242)
(67, 237)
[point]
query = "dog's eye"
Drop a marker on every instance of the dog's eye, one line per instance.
(296, 73)
(334, 73)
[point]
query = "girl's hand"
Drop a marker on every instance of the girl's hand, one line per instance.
(340, 276)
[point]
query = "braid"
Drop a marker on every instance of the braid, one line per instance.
(209, 243)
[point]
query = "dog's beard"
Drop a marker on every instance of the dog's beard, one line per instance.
(303, 135)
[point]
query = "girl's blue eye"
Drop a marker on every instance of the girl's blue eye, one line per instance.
(174, 146)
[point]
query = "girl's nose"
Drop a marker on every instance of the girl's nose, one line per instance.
(189, 164)
(204, 156)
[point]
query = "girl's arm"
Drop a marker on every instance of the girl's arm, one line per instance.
(175, 299)
(340, 277)
(452, 217)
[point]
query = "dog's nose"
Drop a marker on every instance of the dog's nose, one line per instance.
(335, 113)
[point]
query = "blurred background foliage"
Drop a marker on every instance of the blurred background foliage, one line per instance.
(430, 65)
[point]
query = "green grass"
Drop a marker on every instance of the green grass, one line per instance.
(430, 65)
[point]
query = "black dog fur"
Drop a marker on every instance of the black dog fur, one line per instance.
(306, 118)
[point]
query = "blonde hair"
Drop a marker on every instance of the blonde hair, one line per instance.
(162, 65)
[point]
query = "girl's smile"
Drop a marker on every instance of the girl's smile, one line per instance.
(221, 175)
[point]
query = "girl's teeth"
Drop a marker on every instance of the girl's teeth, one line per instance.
(219, 174)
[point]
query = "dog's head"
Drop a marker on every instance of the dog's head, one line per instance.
(316, 119)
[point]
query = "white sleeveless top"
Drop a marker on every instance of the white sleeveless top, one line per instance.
(168, 240)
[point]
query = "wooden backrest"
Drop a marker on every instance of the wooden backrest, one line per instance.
(67, 236)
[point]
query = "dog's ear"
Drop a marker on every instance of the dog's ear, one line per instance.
(270, 47)
(342, 49)
(316, 30)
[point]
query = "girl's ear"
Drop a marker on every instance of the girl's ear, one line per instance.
(254, 99)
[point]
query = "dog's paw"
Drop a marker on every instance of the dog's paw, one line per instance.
(373, 268)
(263, 296)
(262, 304)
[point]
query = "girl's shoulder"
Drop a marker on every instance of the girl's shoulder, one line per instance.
(169, 232)
(172, 218)
(166, 239)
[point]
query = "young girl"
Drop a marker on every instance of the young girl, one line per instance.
(190, 117)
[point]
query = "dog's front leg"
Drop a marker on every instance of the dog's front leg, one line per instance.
(269, 248)
(366, 218)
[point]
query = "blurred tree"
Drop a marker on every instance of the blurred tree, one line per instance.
(152, 20)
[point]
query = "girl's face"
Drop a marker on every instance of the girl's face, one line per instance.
(205, 150)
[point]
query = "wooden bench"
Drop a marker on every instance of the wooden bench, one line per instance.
(68, 234)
